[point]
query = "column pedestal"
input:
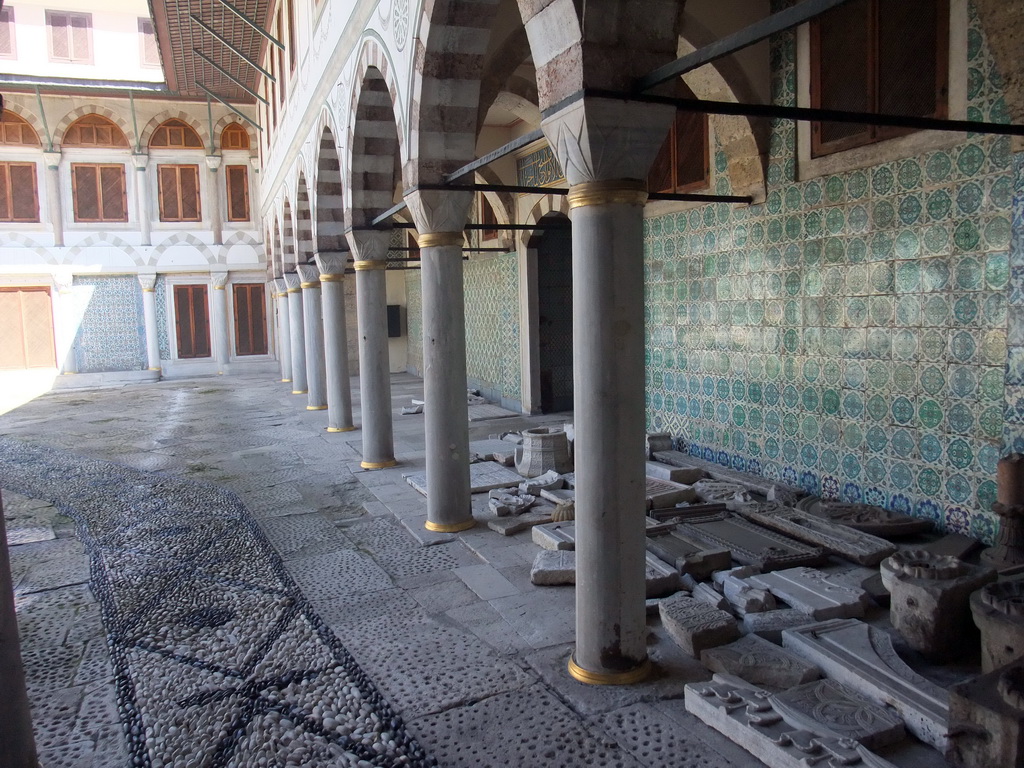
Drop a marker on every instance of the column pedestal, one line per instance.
(313, 335)
(339, 391)
(148, 283)
(374, 372)
(296, 332)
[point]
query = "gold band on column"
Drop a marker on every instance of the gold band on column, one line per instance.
(629, 677)
(440, 239)
(360, 266)
(144, 290)
(300, 391)
(378, 464)
(331, 278)
(341, 429)
(449, 527)
(316, 407)
(310, 285)
(625, 191)
(152, 369)
(218, 287)
(294, 290)
(286, 381)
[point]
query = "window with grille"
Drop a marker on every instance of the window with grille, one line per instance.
(237, 179)
(192, 321)
(70, 36)
(179, 193)
(292, 49)
(19, 201)
(234, 136)
(94, 131)
(15, 131)
(149, 52)
(873, 56)
(99, 192)
(175, 134)
(250, 319)
(8, 49)
(682, 164)
(488, 219)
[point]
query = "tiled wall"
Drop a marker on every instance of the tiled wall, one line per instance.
(160, 295)
(112, 334)
(414, 321)
(850, 334)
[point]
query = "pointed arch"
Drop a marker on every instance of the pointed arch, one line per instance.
(90, 109)
(94, 130)
(303, 223)
(375, 148)
(288, 260)
(16, 131)
(232, 119)
(176, 114)
(329, 196)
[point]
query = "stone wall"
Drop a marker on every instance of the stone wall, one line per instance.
(112, 334)
(850, 334)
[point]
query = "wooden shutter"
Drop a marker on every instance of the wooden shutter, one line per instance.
(188, 176)
(192, 321)
(99, 192)
(170, 209)
(238, 192)
(7, 33)
(250, 319)
(80, 42)
(26, 333)
(179, 193)
(150, 53)
(85, 189)
(18, 197)
(60, 44)
(114, 205)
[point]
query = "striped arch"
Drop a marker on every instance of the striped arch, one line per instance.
(303, 223)
(170, 114)
(275, 251)
(545, 205)
(329, 196)
(29, 117)
(228, 119)
(73, 115)
(375, 146)
(288, 262)
(103, 238)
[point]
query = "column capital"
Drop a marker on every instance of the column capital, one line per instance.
(293, 282)
(439, 211)
(331, 263)
(213, 162)
(219, 280)
(140, 160)
(64, 280)
(309, 276)
(148, 282)
(52, 159)
(369, 244)
(599, 139)
(280, 286)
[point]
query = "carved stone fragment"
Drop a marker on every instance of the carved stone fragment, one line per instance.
(549, 481)
(554, 568)
(759, 662)
(658, 441)
(762, 486)
(509, 526)
(840, 710)
(555, 536)
(717, 491)
(986, 719)
(771, 624)
(865, 517)
(688, 557)
(543, 449)
(685, 475)
(851, 544)
(750, 544)
(664, 493)
(864, 659)
(695, 625)
(500, 451)
(708, 594)
(1009, 549)
(998, 611)
(808, 590)
(504, 503)
(929, 601)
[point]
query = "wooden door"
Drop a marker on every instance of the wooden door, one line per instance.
(26, 328)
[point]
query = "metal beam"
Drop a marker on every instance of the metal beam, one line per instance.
(822, 115)
(490, 157)
(230, 46)
(755, 33)
(396, 208)
(525, 190)
(229, 76)
(252, 24)
(245, 117)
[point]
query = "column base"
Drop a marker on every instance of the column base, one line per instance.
(300, 391)
(154, 369)
(629, 677)
(378, 464)
(316, 407)
(286, 381)
(341, 429)
(449, 528)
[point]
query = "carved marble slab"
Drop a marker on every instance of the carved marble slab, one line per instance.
(722, 492)
(854, 545)
(558, 494)
(750, 543)
(664, 493)
(748, 716)
(863, 658)
(809, 591)
(771, 624)
(769, 489)
(686, 475)
(556, 567)
(842, 711)
(500, 451)
(509, 526)
(687, 556)
(483, 476)
(695, 625)
(759, 662)
(865, 517)
(555, 536)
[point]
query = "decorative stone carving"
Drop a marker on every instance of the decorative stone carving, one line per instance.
(708, 594)
(929, 601)
(864, 659)
(564, 510)
(543, 449)
(549, 481)
(762, 486)
(856, 546)
(771, 624)
(718, 491)
(998, 611)
(660, 577)
(751, 717)
(663, 493)
(695, 625)
(688, 557)
(555, 535)
(807, 590)
(1009, 549)
(658, 441)
(865, 517)
(554, 568)
(684, 475)
(750, 543)
(954, 545)
(759, 662)
(745, 598)
(986, 719)
(504, 504)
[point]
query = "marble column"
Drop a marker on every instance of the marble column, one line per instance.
(66, 320)
(371, 250)
(148, 283)
(339, 389)
(213, 198)
(440, 218)
(297, 333)
(221, 324)
(284, 340)
(606, 167)
(313, 333)
(53, 206)
(142, 197)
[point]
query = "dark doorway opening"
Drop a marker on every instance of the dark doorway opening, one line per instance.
(554, 314)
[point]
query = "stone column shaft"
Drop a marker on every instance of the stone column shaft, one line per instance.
(339, 388)
(284, 341)
(313, 335)
(212, 164)
(53, 206)
(297, 334)
(221, 339)
(142, 198)
(374, 369)
(149, 317)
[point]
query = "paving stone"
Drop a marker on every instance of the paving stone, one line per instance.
(509, 526)
(759, 662)
(297, 535)
(695, 625)
(485, 581)
(483, 476)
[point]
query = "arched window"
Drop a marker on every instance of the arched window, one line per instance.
(682, 164)
(234, 136)
(175, 134)
(15, 131)
(94, 131)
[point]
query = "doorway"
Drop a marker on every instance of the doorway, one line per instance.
(26, 334)
(553, 246)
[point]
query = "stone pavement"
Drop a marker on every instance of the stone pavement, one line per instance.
(257, 590)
